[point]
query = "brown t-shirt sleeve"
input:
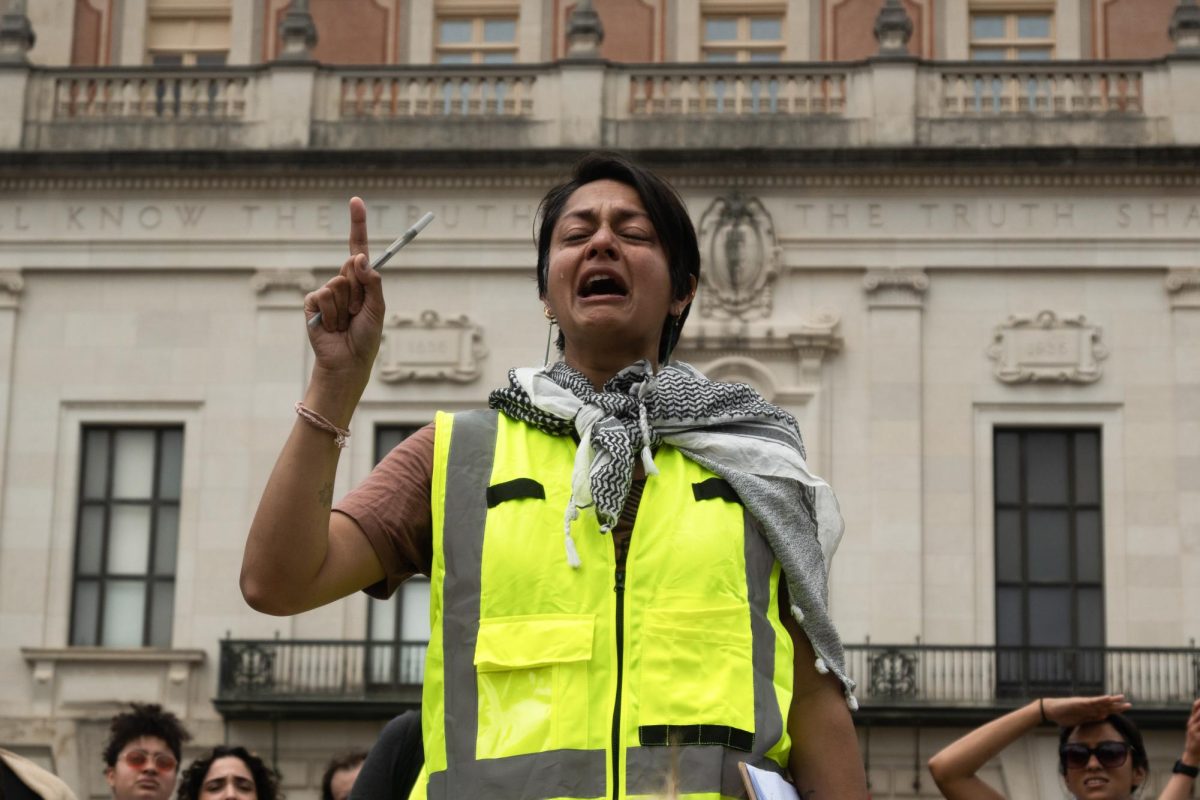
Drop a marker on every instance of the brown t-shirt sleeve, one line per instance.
(392, 507)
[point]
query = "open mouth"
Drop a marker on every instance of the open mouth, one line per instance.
(603, 284)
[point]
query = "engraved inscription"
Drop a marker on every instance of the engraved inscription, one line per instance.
(1047, 348)
(430, 348)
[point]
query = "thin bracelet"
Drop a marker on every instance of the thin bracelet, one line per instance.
(341, 436)
(1042, 708)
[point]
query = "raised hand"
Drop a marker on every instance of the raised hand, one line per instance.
(1069, 711)
(1191, 745)
(351, 304)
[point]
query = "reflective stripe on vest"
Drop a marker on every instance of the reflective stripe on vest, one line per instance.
(522, 665)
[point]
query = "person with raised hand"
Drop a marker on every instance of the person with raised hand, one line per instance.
(627, 561)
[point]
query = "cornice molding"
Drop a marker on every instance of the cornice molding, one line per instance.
(543, 181)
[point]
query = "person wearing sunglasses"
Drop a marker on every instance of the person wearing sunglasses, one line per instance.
(229, 773)
(142, 754)
(1101, 752)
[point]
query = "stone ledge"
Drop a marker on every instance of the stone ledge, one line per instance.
(113, 655)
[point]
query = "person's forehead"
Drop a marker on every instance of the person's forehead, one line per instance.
(151, 744)
(1095, 732)
(229, 765)
(603, 192)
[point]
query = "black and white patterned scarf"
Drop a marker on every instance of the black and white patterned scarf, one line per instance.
(727, 428)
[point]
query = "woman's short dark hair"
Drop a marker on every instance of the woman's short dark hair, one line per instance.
(1127, 731)
(338, 763)
(667, 213)
(266, 780)
(145, 719)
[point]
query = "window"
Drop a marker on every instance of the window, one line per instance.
(188, 33)
(398, 628)
(476, 40)
(745, 37)
(998, 35)
(126, 536)
(1049, 561)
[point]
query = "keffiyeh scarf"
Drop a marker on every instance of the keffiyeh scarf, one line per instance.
(727, 428)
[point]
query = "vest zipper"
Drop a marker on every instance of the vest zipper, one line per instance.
(619, 588)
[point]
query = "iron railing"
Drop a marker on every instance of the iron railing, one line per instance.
(897, 680)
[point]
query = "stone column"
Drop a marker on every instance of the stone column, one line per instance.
(1183, 287)
(11, 285)
(895, 301)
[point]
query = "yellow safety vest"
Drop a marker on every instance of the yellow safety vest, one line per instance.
(544, 682)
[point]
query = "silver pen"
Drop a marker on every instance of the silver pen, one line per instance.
(386, 256)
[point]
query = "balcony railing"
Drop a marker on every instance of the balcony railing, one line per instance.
(319, 677)
(597, 104)
(964, 682)
(896, 682)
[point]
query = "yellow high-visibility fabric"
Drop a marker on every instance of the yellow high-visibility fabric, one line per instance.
(545, 658)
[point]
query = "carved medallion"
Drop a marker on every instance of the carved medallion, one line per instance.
(1047, 348)
(429, 348)
(741, 258)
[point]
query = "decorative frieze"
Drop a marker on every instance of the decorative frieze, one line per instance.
(1046, 348)
(11, 286)
(427, 347)
(741, 257)
(902, 288)
(1183, 286)
(282, 288)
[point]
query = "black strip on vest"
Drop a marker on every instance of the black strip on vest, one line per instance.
(518, 489)
(664, 735)
(714, 489)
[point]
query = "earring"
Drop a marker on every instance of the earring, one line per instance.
(549, 333)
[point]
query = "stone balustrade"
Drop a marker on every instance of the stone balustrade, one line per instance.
(877, 103)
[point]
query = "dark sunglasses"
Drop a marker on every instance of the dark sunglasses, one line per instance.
(1109, 754)
(138, 759)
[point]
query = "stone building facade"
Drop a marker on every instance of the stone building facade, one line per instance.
(959, 240)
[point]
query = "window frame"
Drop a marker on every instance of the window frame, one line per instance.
(1025, 583)
(742, 47)
(477, 48)
(155, 502)
(1011, 43)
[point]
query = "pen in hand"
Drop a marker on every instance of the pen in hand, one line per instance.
(393, 248)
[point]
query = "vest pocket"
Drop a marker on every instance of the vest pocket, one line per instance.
(532, 677)
(697, 669)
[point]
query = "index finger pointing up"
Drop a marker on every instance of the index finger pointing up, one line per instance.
(358, 227)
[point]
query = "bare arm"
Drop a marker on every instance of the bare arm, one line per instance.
(824, 762)
(1180, 786)
(955, 766)
(298, 555)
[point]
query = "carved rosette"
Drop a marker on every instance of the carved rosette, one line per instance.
(1046, 348)
(741, 258)
(429, 348)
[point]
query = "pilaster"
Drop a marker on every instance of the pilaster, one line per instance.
(895, 302)
(1183, 289)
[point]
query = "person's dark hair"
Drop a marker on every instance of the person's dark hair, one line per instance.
(144, 720)
(266, 780)
(666, 211)
(338, 763)
(1127, 731)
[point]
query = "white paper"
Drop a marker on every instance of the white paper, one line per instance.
(770, 785)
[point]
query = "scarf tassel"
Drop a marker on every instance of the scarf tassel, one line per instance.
(569, 541)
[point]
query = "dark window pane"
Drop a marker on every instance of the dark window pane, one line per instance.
(1049, 617)
(1033, 26)
(91, 540)
(766, 29)
(388, 436)
(720, 29)
(1091, 618)
(170, 464)
(1088, 547)
(166, 538)
(124, 613)
(987, 26)
(95, 464)
(167, 59)
(1049, 551)
(216, 59)
(988, 54)
(1008, 467)
(499, 30)
(1087, 467)
(1046, 467)
(1009, 627)
(83, 616)
(162, 612)
(1008, 546)
(454, 58)
(454, 31)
